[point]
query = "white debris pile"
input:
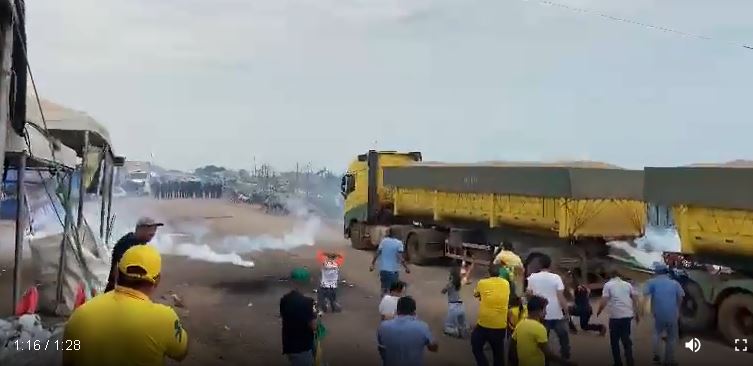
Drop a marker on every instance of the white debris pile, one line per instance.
(46, 260)
(25, 341)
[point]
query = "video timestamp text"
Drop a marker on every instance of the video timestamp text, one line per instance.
(48, 345)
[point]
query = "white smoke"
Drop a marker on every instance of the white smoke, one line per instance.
(195, 240)
(648, 249)
(192, 238)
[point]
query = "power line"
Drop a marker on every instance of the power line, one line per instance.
(642, 24)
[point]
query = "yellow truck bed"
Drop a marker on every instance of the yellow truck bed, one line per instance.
(712, 207)
(714, 231)
(568, 202)
(561, 216)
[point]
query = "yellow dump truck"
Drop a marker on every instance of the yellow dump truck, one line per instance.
(713, 212)
(466, 211)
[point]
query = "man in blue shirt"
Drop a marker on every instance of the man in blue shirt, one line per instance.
(666, 298)
(402, 340)
(390, 256)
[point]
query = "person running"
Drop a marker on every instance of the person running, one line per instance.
(298, 320)
(402, 340)
(146, 228)
(531, 338)
(666, 298)
(124, 326)
(388, 304)
(582, 307)
(491, 327)
(621, 301)
(327, 293)
(390, 256)
(549, 285)
(454, 324)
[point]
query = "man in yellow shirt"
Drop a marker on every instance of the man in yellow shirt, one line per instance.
(530, 337)
(491, 327)
(124, 327)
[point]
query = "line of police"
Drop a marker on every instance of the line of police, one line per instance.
(185, 189)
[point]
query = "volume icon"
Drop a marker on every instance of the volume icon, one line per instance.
(694, 345)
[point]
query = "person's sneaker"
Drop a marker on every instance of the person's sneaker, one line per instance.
(656, 360)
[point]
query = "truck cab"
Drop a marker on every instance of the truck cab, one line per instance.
(367, 201)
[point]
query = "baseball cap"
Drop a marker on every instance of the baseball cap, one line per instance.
(148, 221)
(141, 262)
(300, 274)
(660, 267)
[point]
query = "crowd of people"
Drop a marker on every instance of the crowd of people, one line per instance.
(513, 323)
(171, 189)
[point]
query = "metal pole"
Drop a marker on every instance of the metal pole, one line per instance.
(20, 229)
(103, 187)
(111, 175)
(64, 242)
(81, 188)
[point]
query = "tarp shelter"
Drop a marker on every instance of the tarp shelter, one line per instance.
(91, 141)
(67, 124)
(41, 151)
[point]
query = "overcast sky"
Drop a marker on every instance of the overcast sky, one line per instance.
(220, 81)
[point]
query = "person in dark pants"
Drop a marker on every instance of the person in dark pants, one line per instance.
(582, 308)
(491, 327)
(550, 286)
(621, 300)
(298, 320)
(146, 228)
(390, 257)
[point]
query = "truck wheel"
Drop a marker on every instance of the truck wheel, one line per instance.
(696, 314)
(356, 236)
(736, 317)
(415, 253)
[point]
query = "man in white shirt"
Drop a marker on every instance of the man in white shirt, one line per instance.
(550, 286)
(388, 305)
(621, 301)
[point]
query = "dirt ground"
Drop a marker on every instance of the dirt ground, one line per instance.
(231, 312)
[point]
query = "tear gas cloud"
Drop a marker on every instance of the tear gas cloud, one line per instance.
(648, 249)
(192, 238)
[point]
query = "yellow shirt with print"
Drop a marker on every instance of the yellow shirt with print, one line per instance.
(123, 327)
(494, 293)
(528, 336)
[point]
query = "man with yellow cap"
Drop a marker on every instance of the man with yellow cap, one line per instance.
(124, 327)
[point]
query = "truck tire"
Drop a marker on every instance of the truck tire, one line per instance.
(356, 236)
(696, 315)
(415, 251)
(736, 317)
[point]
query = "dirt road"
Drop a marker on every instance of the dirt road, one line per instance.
(231, 312)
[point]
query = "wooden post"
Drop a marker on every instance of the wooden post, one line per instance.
(64, 243)
(81, 188)
(20, 228)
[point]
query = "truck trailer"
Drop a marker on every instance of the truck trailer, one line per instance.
(713, 213)
(466, 211)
